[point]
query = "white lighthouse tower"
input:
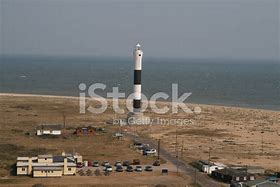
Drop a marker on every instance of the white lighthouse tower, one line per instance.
(138, 54)
(137, 115)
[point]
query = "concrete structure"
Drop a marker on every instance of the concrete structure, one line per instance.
(136, 117)
(48, 165)
(48, 129)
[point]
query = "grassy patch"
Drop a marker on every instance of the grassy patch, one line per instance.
(11, 181)
(17, 130)
(9, 153)
(195, 185)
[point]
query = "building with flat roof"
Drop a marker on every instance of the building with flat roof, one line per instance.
(208, 166)
(48, 165)
(48, 129)
(229, 174)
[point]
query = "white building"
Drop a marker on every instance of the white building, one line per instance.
(208, 167)
(48, 165)
(48, 129)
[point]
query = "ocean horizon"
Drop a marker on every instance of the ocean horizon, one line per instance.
(249, 84)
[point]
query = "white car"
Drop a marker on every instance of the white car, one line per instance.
(138, 169)
(108, 169)
(150, 151)
(118, 134)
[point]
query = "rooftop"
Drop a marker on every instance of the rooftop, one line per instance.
(230, 171)
(45, 156)
(61, 159)
(26, 158)
(36, 164)
(261, 183)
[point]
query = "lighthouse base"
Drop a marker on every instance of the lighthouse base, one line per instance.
(137, 118)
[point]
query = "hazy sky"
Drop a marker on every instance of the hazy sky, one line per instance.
(230, 29)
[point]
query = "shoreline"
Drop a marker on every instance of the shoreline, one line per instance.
(76, 97)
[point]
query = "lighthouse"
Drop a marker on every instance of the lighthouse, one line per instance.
(136, 116)
(138, 54)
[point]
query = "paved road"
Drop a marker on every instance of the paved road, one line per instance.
(200, 178)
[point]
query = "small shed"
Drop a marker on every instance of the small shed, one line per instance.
(85, 131)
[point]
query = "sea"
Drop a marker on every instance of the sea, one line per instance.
(250, 84)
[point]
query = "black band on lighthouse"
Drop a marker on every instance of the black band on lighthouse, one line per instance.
(137, 76)
(136, 104)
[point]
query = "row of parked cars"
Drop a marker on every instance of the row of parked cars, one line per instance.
(120, 168)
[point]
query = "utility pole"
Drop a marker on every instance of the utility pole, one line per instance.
(262, 142)
(209, 155)
(182, 149)
(194, 175)
(209, 158)
(176, 149)
(262, 132)
(158, 148)
(64, 120)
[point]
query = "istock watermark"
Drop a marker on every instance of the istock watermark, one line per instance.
(176, 100)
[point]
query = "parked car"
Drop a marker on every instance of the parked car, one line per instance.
(118, 134)
(156, 163)
(105, 163)
(149, 151)
(126, 163)
(90, 163)
(129, 169)
(119, 169)
(108, 169)
(148, 168)
(95, 164)
(79, 165)
(138, 169)
(118, 163)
